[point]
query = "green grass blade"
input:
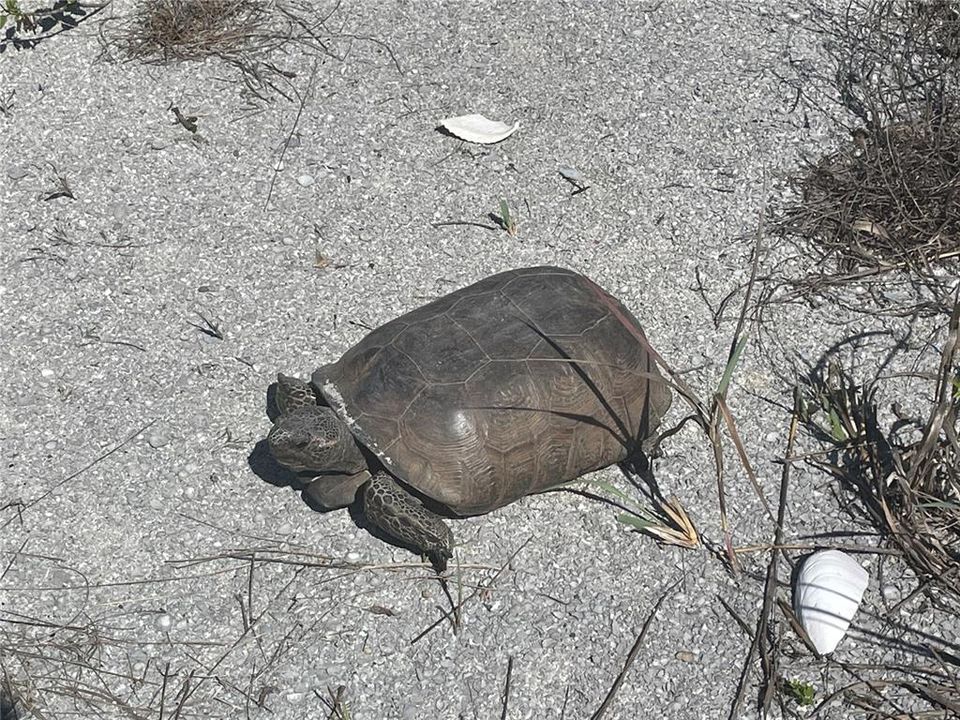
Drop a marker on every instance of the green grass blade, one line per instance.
(836, 427)
(731, 365)
(939, 504)
(608, 488)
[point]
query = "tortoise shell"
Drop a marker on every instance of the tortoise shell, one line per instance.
(522, 381)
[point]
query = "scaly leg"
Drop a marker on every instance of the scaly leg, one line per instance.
(293, 393)
(400, 514)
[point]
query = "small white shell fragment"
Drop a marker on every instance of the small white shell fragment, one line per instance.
(573, 175)
(828, 591)
(477, 129)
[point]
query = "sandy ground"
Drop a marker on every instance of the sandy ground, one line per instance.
(147, 564)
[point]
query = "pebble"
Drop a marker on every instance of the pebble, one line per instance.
(47, 373)
(164, 622)
(306, 180)
(572, 174)
(157, 439)
(686, 656)
(295, 698)
(890, 593)
(190, 492)
(353, 556)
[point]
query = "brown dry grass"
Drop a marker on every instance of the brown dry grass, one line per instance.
(250, 35)
(886, 199)
(890, 200)
(194, 29)
(264, 39)
(908, 489)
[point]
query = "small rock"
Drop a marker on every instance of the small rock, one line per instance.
(890, 593)
(157, 439)
(353, 556)
(117, 211)
(295, 698)
(306, 180)
(190, 492)
(686, 656)
(164, 622)
(573, 175)
(47, 373)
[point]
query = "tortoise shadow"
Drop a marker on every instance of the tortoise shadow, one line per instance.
(638, 470)
(264, 466)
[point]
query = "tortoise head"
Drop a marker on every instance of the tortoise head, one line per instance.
(312, 438)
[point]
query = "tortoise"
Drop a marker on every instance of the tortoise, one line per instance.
(520, 382)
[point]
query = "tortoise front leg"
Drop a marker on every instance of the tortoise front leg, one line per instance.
(293, 393)
(400, 514)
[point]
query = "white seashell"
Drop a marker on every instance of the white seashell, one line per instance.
(477, 129)
(828, 591)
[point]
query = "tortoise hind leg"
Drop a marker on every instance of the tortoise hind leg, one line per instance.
(400, 514)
